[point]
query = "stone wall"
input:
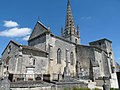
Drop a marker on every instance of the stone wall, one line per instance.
(0, 71)
(84, 55)
(17, 58)
(9, 56)
(46, 86)
(98, 58)
(5, 84)
(105, 64)
(39, 42)
(108, 63)
(56, 43)
(41, 64)
(100, 82)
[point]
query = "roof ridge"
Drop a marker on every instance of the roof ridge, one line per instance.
(42, 24)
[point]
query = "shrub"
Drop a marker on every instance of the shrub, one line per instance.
(75, 88)
(65, 88)
(114, 89)
(96, 89)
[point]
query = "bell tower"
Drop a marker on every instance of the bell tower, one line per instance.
(70, 32)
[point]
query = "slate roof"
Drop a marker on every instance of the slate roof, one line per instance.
(25, 47)
(104, 39)
(61, 38)
(32, 48)
(38, 30)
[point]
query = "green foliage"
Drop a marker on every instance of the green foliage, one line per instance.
(114, 89)
(75, 88)
(96, 89)
(65, 89)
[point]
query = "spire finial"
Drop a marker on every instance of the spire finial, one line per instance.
(78, 30)
(38, 18)
(68, 2)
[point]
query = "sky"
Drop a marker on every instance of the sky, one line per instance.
(97, 19)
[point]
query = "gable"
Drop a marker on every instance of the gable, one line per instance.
(38, 30)
(10, 49)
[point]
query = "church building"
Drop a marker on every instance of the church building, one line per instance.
(52, 58)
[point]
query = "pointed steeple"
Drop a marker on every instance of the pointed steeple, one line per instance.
(69, 19)
(70, 32)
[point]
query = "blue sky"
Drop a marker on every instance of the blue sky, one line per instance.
(97, 19)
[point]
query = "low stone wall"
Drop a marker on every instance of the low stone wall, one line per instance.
(5, 84)
(101, 82)
(46, 86)
(37, 88)
(29, 84)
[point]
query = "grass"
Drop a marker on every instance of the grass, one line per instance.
(96, 89)
(75, 88)
(114, 89)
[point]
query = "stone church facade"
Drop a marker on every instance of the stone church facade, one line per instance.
(51, 58)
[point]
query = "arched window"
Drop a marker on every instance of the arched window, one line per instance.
(59, 56)
(75, 40)
(71, 58)
(34, 62)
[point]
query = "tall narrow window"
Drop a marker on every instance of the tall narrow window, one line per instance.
(71, 58)
(34, 62)
(7, 60)
(75, 40)
(59, 56)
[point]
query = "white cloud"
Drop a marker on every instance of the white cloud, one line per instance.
(82, 17)
(16, 32)
(26, 38)
(10, 23)
(86, 18)
(89, 17)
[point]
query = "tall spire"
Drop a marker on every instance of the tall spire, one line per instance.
(70, 32)
(69, 19)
